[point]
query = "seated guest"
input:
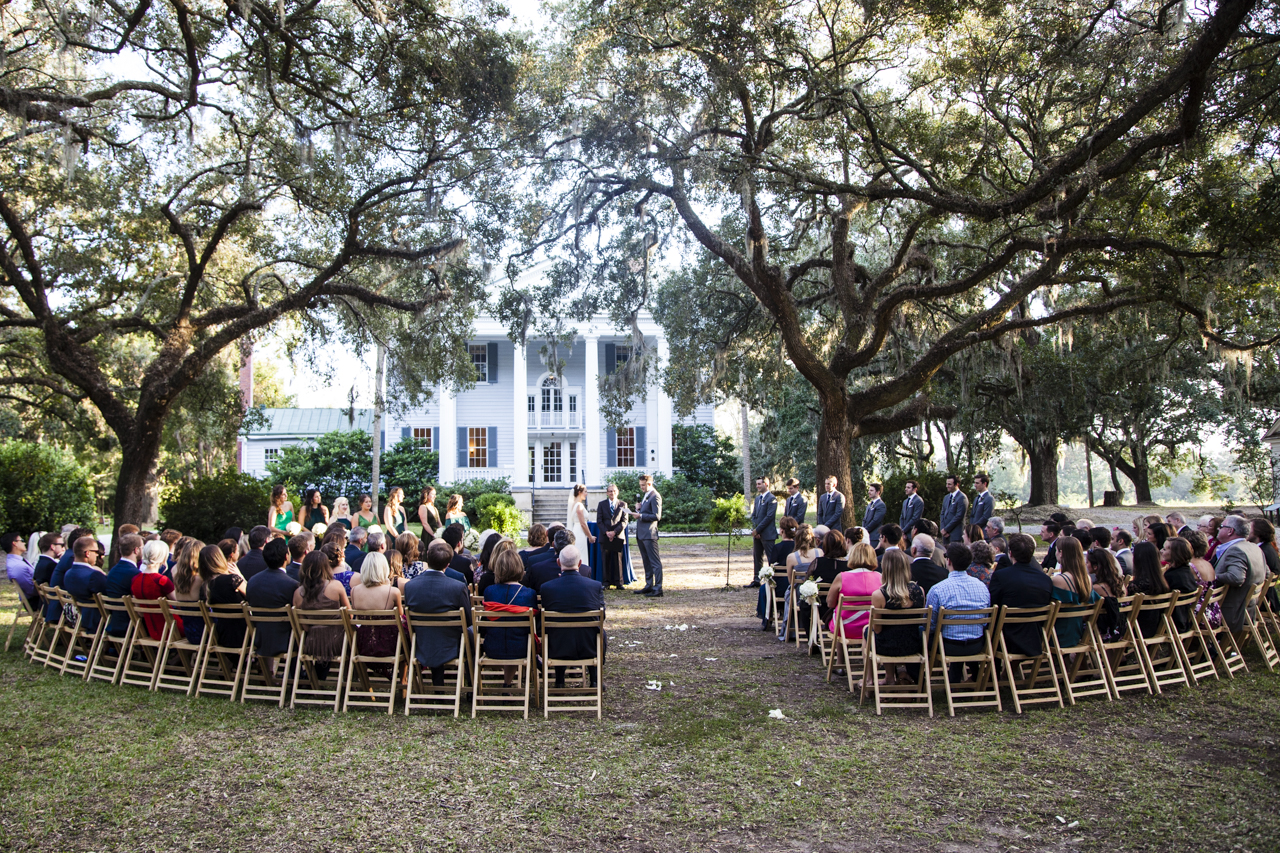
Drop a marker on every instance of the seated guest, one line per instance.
(84, 580)
(1148, 579)
(860, 578)
(806, 551)
(460, 566)
(375, 591)
(272, 587)
(1263, 534)
(252, 562)
(51, 546)
(1241, 564)
(1023, 584)
(113, 553)
(53, 609)
(1071, 585)
(1209, 526)
(1122, 546)
(538, 544)
(924, 570)
(17, 568)
(982, 559)
(1157, 532)
(1101, 537)
(1049, 534)
(222, 586)
(317, 590)
(958, 591)
(973, 533)
(1181, 577)
(407, 545)
(1000, 548)
(1105, 573)
(506, 594)
(824, 568)
(854, 535)
(484, 568)
(188, 586)
(230, 550)
(547, 568)
(150, 585)
(120, 581)
(572, 592)
(342, 572)
(994, 528)
(928, 528)
(300, 545)
(355, 548)
(890, 538)
(777, 557)
(434, 592)
(898, 592)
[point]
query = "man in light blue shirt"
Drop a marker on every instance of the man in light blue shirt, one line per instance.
(960, 591)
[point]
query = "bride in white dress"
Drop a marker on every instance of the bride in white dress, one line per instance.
(577, 520)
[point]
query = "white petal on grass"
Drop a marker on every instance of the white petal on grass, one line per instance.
(776, 714)
(711, 658)
(653, 685)
(797, 783)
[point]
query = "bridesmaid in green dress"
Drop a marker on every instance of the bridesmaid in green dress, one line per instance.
(453, 514)
(281, 512)
(365, 517)
(393, 515)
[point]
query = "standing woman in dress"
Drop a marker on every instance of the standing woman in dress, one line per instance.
(453, 514)
(428, 515)
(281, 512)
(314, 511)
(365, 517)
(393, 517)
(577, 521)
(342, 513)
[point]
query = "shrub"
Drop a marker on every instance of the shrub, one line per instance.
(502, 517)
(471, 490)
(707, 459)
(42, 488)
(336, 463)
(209, 505)
(478, 507)
(933, 488)
(684, 505)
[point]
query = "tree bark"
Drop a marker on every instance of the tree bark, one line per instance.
(1139, 472)
(835, 437)
(378, 405)
(1042, 455)
(136, 484)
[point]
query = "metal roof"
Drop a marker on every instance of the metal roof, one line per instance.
(309, 423)
(1273, 434)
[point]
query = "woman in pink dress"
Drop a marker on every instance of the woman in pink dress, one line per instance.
(860, 579)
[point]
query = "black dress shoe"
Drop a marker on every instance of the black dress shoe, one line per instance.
(752, 585)
(645, 591)
(653, 593)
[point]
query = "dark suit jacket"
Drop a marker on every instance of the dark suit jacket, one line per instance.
(120, 584)
(354, 557)
(271, 588)
(1021, 585)
(606, 521)
(873, 519)
(251, 564)
(462, 565)
(984, 506)
(764, 515)
(541, 572)
(432, 592)
(796, 507)
(572, 593)
(912, 511)
(649, 513)
(831, 509)
(527, 557)
(43, 571)
(292, 571)
(84, 582)
(926, 572)
(54, 609)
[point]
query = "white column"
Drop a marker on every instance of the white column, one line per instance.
(589, 464)
(662, 429)
(448, 437)
(652, 427)
(520, 418)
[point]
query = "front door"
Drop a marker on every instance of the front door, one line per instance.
(552, 463)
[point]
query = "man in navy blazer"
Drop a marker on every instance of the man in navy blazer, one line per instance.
(764, 529)
(252, 563)
(354, 554)
(875, 513)
(912, 507)
(53, 609)
(572, 592)
(272, 587)
(984, 505)
(85, 580)
(1023, 584)
(831, 506)
(120, 581)
(299, 546)
(433, 592)
(796, 506)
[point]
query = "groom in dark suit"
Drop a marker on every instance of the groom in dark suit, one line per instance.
(611, 519)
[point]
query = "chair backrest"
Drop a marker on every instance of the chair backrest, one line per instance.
(141, 607)
(1029, 615)
(445, 619)
(107, 606)
(22, 597)
(982, 617)
(883, 617)
(212, 612)
(304, 619)
(552, 619)
(184, 610)
(491, 619)
(355, 619)
(849, 608)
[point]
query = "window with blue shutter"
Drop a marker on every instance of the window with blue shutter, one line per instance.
(493, 444)
(406, 432)
(642, 449)
(435, 439)
(493, 363)
(611, 437)
(462, 447)
(610, 360)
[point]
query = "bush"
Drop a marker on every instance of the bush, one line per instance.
(409, 466)
(207, 507)
(502, 517)
(336, 463)
(42, 488)
(684, 505)
(933, 488)
(477, 508)
(471, 491)
(707, 459)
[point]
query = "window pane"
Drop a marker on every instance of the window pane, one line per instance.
(422, 437)
(480, 360)
(627, 448)
(478, 447)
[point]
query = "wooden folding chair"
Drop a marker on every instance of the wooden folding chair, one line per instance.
(1082, 668)
(918, 695)
(102, 667)
(488, 673)
(143, 656)
(223, 662)
(23, 610)
(180, 659)
(582, 697)
(849, 648)
(1257, 629)
(777, 599)
(83, 643)
(1159, 652)
(1191, 645)
(375, 690)
(316, 690)
(800, 613)
(422, 694)
(266, 677)
(1225, 650)
(984, 690)
(43, 633)
(1125, 663)
(1032, 679)
(820, 636)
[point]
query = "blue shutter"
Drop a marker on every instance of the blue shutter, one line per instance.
(435, 439)
(611, 437)
(406, 432)
(493, 363)
(610, 359)
(382, 440)
(642, 450)
(462, 447)
(493, 447)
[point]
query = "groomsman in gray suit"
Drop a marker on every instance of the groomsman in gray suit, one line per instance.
(796, 506)
(955, 506)
(764, 531)
(984, 504)
(912, 508)
(873, 518)
(648, 513)
(831, 506)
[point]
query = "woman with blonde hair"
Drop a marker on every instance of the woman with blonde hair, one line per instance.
(150, 585)
(898, 592)
(376, 591)
(341, 513)
(861, 578)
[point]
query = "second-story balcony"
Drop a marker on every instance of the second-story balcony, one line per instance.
(552, 407)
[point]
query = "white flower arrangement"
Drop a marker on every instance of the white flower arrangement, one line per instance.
(808, 591)
(766, 572)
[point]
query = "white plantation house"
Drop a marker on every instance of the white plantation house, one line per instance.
(519, 421)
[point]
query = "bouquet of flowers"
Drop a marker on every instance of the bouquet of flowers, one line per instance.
(766, 572)
(808, 591)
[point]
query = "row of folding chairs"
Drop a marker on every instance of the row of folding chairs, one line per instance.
(156, 653)
(1107, 666)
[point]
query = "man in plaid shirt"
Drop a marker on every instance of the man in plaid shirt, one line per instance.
(960, 591)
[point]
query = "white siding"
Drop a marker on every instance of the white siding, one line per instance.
(489, 405)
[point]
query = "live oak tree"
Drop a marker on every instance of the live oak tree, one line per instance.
(177, 174)
(881, 185)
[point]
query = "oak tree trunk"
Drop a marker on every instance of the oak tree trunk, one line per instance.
(1042, 455)
(835, 437)
(136, 484)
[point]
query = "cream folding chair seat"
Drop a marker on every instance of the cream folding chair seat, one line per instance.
(821, 638)
(777, 600)
(489, 693)
(266, 677)
(1032, 679)
(984, 690)
(1225, 650)
(108, 659)
(378, 675)
(911, 695)
(44, 634)
(1256, 626)
(1196, 653)
(83, 643)
(144, 654)
(180, 659)
(1159, 652)
(848, 641)
(22, 611)
(310, 687)
(583, 696)
(1125, 663)
(421, 694)
(224, 659)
